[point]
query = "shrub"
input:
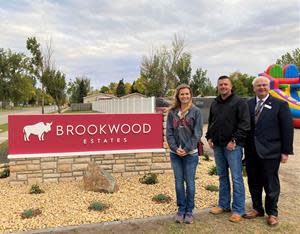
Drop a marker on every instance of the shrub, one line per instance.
(97, 206)
(149, 178)
(161, 198)
(5, 173)
(205, 156)
(35, 189)
(212, 170)
(212, 188)
(4, 152)
(26, 214)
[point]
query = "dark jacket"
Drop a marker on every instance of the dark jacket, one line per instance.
(273, 133)
(228, 120)
(184, 132)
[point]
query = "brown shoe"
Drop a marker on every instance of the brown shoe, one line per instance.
(235, 218)
(218, 210)
(272, 220)
(252, 214)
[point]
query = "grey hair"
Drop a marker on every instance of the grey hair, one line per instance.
(260, 77)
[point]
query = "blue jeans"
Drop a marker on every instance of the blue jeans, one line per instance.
(184, 170)
(230, 159)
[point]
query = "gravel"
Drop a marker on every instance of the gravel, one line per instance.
(67, 203)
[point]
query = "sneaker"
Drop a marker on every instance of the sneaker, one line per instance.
(179, 218)
(188, 219)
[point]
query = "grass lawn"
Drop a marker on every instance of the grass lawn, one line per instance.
(3, 152)
(69, 111)
(14, 108)
(3, 127)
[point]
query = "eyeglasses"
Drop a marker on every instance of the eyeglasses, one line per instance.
(261, 85)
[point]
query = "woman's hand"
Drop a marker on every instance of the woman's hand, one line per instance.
(181, 152)
(210, 143)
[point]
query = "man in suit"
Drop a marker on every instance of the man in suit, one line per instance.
(269, 143)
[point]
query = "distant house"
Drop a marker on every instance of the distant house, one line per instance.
(133, 95)
(97, 97)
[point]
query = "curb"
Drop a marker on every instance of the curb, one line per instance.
(86, 227)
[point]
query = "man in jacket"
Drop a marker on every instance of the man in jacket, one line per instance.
(228, 124)
(270, 142)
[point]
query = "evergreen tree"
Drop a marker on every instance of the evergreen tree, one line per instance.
(201, 85)
(121, 88)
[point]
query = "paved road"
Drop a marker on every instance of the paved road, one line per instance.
(33, 110)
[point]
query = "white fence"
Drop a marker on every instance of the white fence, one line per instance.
(126, 105)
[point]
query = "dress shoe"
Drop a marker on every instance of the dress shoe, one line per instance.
(218, 210)
(235, 218)
(272, 220)
(252, 214)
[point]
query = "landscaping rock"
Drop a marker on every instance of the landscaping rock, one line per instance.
(98, 180)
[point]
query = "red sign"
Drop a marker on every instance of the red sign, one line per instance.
(32, 134)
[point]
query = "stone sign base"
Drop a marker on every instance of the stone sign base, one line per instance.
(69, 168)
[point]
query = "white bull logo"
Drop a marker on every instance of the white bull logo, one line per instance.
(37, 129)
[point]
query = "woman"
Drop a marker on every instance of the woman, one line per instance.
(184, 130)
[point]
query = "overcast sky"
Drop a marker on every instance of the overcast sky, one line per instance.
(105, 40)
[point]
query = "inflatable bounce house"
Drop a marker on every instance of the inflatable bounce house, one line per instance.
(285, 85)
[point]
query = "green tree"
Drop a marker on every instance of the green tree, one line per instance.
(127, 87)
(104, 89)
(166, 68)
(37, 98)
(242, 84)
(201, 85)
(51, 79)
(138, 86)
(121, 88)
(78, 89)
(133, 88)
(290, 58)
(16, 83)
(55, 84)
(152, 72)
(183, 69)
(113, 88)
(37, 59)
(37, 65)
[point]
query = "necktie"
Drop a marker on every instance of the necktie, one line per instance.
(258, 109)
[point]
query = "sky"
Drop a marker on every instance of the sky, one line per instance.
(106, 40)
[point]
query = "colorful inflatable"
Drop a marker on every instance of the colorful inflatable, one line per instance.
(285, 85)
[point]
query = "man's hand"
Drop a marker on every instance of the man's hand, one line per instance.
(231, 146)
(284, 158)
(210, 143)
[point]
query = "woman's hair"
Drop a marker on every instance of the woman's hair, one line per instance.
(177, 103)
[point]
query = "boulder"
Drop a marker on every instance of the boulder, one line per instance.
(98, 180)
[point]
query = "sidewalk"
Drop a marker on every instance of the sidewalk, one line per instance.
(205, 222)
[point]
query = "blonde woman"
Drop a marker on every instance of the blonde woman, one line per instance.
(184, 130)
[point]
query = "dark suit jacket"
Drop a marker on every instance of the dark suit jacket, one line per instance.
(273, 133)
